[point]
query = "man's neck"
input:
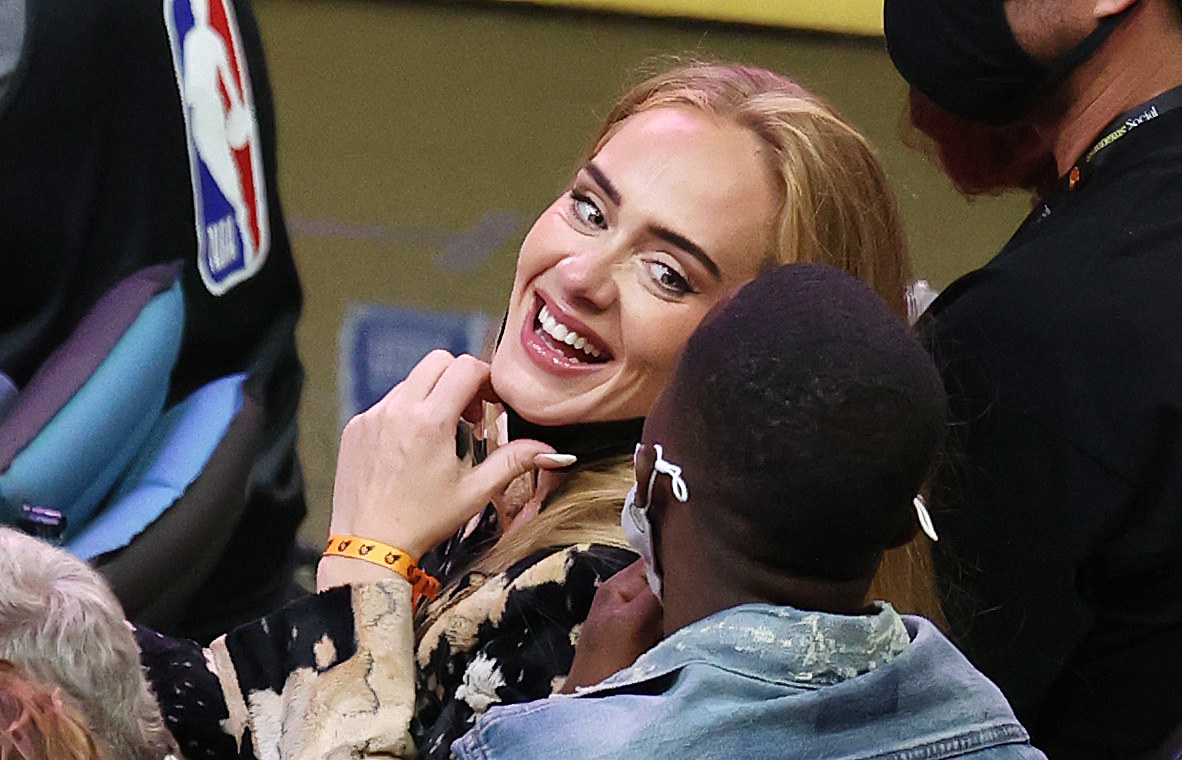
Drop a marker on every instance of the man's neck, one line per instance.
(1141, 59)
(694, 590)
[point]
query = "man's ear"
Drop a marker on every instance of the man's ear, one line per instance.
(645, 461)
(921, 519)
(659, 510)
(663, 500)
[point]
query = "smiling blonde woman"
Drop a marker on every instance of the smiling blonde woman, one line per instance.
(701, 177)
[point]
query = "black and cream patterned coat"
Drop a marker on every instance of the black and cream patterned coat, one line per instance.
(338, 675)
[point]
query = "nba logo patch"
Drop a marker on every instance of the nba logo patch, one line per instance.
(225, 157)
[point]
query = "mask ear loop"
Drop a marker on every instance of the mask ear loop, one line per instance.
(925, 517)
(665, 467)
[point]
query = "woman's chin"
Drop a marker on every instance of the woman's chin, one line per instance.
(525, 396)
(545, 399)
(539, 411)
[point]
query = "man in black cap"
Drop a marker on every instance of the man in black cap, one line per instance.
(781, 459)
(1060, 507)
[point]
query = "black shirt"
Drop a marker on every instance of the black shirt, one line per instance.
(1059, 503)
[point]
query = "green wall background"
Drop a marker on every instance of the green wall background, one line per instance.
(404, 124)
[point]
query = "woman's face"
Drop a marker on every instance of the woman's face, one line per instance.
(673, 212)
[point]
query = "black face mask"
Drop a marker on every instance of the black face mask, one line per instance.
(589, 441)
(963, 55)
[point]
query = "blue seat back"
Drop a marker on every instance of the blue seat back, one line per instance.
(75, 459)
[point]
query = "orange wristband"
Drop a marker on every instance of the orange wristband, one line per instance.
(388, 557)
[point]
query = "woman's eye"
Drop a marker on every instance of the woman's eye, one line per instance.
(586, 211)
(667, 278)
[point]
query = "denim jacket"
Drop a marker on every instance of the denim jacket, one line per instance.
(760, 681)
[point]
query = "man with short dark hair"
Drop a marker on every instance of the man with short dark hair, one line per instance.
(779, 462)
(1060, 507)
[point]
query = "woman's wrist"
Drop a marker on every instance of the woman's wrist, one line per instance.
(383, 556)
(410, 539)
(342, 571)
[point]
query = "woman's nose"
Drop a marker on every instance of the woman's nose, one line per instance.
(589, 276)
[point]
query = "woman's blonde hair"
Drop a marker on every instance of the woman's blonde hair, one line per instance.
(835, 207)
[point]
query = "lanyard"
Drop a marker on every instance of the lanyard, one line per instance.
(1095, 156)
(1118, 128)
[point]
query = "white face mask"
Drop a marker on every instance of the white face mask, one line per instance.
(634, 519)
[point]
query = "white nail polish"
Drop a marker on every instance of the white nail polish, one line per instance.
(559, 460)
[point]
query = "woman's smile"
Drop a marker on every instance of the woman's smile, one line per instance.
(560, 331)
(560, 343)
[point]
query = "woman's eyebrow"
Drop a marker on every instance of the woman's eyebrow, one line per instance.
(604, 183)
(687, 245)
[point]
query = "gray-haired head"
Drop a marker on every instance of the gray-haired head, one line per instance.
(61, 623)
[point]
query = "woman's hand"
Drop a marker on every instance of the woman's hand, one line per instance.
(398, 477)
(624, 622)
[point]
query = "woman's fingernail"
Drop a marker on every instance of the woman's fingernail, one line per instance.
(557, 460)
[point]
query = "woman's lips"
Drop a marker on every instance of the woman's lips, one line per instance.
(558, 347)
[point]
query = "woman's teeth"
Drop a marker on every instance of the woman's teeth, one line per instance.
(564, 334)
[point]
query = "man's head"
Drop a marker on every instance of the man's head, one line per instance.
(991, 60)
(60, 623)
(804, 416)
(1012, 92)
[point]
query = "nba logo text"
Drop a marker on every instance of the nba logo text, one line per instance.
(225, 158)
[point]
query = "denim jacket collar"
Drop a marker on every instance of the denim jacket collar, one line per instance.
(805, 649)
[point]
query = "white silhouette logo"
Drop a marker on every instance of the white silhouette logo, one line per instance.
(229, 194)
